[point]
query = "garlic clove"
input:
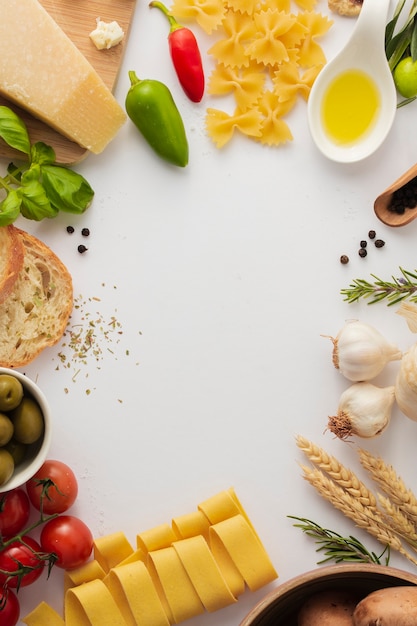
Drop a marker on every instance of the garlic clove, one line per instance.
(406, 384)
(360, 352)
(409, 311)
(364, 410)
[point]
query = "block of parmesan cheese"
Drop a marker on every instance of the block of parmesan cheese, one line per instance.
(43, 72)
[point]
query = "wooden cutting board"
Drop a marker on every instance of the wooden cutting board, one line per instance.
(77, 18)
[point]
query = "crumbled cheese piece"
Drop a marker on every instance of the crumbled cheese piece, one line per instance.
(106, 35)
(62, 88)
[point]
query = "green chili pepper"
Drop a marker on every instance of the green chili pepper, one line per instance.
(151, 107)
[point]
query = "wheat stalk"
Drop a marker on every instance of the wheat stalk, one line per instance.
(341, 475)
(393, 486)
(364, 517)
(399, 522)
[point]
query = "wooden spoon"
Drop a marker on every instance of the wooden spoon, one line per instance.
(381, 204)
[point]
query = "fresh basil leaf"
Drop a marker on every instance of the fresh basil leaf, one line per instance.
(31, 173)
(42, 154)
(67, 190)
(10, 208)
(35, 202)
(13, 130)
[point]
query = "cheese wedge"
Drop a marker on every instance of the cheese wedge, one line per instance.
(43, 72)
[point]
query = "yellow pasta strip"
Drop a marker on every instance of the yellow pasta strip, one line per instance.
(204, 573)
(170, 578)
(83, 574)
(111, 550)
(245, 550)
(230, 572)
(133, 590)
(190, 525)
(137, 555)
(221, 506)
(155, 538)
(43, 615)
(92, 604)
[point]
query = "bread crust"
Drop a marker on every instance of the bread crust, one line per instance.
(35, 314)
(11, 259)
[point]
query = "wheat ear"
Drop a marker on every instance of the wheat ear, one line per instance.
(399, 522)
(340, 474)
(363, 517)
(393, 486)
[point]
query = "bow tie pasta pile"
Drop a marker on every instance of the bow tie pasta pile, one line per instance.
(265, 57)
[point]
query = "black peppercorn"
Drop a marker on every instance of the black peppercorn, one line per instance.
(372, 234)
(344, 259)
(362, 252)
(85, 232)
(81, 249)
(70, 229)
(363, 243)
(379, 243)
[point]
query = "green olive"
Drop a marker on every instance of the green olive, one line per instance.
(28, 421)
(6, 466)
(11, 392)
(17, 450)
(6, 429)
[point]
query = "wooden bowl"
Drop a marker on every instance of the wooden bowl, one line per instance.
(280, 607)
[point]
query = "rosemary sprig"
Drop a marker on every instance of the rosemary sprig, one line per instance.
(337, 548)
(401, 288)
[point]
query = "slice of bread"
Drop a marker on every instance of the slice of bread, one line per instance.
(36, 312)
(11, 259)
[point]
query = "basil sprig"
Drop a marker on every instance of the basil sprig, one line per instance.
(38, 188)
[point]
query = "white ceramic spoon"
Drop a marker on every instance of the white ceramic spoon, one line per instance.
(365, 51)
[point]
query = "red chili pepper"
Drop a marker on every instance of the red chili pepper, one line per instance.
(185, 55)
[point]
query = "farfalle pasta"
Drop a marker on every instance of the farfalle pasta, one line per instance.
(274, 129)
(221, 126)
(238, 29)
(311, 53)
(207, 13)
(244, 83)
(266, 56)
(289, 84)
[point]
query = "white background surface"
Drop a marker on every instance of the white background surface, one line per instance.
(222, 277)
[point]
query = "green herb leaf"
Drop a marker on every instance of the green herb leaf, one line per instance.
(13, 130)
(337, 548)
(10, 208)
(38, 188)
(67, 190)
(42, 154)
(413, 41)
(393, 291)
(390, 27)
(35, 203)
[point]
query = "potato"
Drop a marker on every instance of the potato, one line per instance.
(328, 608)
(393, 606)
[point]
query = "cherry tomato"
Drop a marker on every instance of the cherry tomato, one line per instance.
(59, 484)
(14, 512)
(69, 538)
(9, 607)
(21, 553)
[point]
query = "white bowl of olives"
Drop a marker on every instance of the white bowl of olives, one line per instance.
(25, 429)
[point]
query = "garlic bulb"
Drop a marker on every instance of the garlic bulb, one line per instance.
(360, 352)
(406, 384)
(364, 410)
